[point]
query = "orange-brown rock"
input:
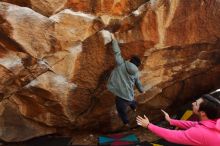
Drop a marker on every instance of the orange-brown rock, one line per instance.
(23, 3)
(44, 7)
(33, 31)
(15, 127)
(47, 7)
(97, 7)
(109, 7)
(53, 70)
(73, 27)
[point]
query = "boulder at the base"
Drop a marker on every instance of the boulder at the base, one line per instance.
(15, 127)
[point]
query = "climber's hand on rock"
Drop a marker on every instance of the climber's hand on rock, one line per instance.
(112, 35)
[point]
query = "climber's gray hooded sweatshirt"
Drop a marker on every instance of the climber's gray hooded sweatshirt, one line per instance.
(121, 81)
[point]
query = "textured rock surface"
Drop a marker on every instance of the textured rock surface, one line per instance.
(53, 70)
(33, 31)
(44, 7)
(97, 7)
(109, 7)
(22, 127)
(73, 27)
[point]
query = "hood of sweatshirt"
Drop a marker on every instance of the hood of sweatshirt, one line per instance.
(131, 68)
(212, 124)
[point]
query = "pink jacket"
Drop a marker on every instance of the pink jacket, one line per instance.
(203, 133)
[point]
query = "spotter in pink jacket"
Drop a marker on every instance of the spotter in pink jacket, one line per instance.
(203, 133)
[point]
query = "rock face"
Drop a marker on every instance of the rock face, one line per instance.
(55, 60)
(109, 7)
(97, 7)
(12, 119)
(44, 7)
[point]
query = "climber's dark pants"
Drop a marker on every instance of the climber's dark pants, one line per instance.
(121, 106)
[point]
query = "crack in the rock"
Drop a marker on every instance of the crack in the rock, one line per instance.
(97, 92)
(19, 89)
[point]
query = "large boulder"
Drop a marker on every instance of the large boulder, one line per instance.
(179, 42)
(54, 69)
